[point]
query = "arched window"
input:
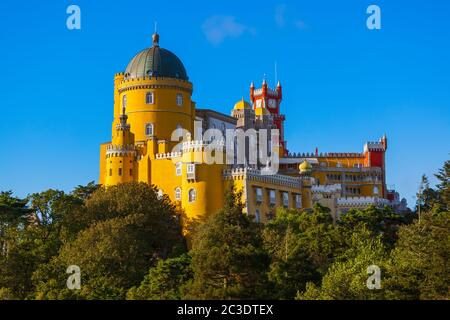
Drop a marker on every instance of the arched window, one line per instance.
(375, 190)
(178, 193)
(149, 132)
(124, 101)
(149, 98)
(179, 99)
(179, 130)
(192, 195)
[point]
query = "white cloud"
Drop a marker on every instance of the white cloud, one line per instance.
(300, 24)
(218, 27)
(279, 15)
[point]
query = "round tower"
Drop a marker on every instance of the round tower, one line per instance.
(156, 92)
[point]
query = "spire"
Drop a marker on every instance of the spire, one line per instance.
(252, 85)
(278, 84)
(264, 80)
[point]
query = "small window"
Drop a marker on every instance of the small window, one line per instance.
(259, 196)
(149, 129)
(149, 98)
(131, 172)
(120, 171)
(375, 190)
(178, 193)
(298, 201)
(257, 216)
(110, 172)
(272, 197)
(285, 199)
(179, 130)
(190, 170)
(178, 169)
(124, 101)
(192, 195)
(179, 99)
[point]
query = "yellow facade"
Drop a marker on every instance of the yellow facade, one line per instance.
(153, 142)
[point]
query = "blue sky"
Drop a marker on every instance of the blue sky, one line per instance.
(343, 84)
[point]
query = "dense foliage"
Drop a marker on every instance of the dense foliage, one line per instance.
(129, 244)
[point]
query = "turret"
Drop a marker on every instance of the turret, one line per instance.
(121, 154)
(279, 91)
(252, 92)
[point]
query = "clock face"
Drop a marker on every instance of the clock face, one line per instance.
(272, 103)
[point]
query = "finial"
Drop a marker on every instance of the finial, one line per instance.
(264, 79)
(278, 84)
(252, 85)
(155, 36)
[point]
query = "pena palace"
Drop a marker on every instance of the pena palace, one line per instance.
(153, 100)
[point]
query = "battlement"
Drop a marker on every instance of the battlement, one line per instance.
(361, 201)
(199, 145)
(113, 150)
(256, 175)
(374, 146)
(326, 155)
(329, 188)
(169, 155)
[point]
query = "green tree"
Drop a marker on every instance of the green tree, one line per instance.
(443, 186)
(347, 277)
(228, 259)
(419, 268)
(301, 246)
(166, 281)
(128, 230)
(380, 221)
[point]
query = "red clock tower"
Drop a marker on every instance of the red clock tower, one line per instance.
(270, 99)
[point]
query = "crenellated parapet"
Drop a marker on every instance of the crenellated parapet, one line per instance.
(169, 155)
(356, 202)
(256, 175)
(120, 150)
(329, 188)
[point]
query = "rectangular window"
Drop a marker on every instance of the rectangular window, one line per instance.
(179, 99)
(285, 199)
(272, 197)
(259, 195)
(190, 171)
(120, 171)
(131, 172)
(298, 201)
(257, 216)
(149, 98)
(178, 170)
(110, 172)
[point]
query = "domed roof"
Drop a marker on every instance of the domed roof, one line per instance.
(155, 62)
(305, 166)
(241, 104)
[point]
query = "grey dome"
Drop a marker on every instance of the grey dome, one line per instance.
(155, 62)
